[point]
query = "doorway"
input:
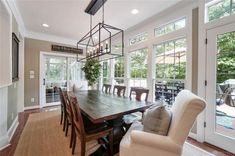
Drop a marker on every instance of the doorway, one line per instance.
(220, 90)
(57, 71)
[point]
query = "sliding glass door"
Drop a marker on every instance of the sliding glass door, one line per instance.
(57, 72)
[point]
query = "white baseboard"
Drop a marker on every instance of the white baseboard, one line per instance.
(31, 107)
(193, 135)
(13, 128)
(52, 104)
(4, 142)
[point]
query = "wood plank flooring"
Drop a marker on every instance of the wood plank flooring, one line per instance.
(23, 117)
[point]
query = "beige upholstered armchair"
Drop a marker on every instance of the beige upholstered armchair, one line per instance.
(185, 109)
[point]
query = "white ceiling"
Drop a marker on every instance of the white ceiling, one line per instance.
(67, 18)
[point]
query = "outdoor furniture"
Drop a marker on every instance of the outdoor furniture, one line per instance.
(229, 97)
(159, 90)
(120, 89)
(86, 130)
(106, 88)
(139, 143)
(99, 107)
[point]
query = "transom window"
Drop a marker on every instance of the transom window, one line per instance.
(138, 38)
(216, 9)
(139, 68)
(171, 27)
(119, 70)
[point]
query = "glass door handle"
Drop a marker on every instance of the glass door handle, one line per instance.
(44, 82)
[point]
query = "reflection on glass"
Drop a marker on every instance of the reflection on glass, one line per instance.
(225, 88)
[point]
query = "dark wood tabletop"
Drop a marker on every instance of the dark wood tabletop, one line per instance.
(100, 107)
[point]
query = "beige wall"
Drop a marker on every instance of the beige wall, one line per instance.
(32, 57)
(194, 56)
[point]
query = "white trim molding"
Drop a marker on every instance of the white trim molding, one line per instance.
(13, 6)
(31, 107)
(3, 117)
(13, 128)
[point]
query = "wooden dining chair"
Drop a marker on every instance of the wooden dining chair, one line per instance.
(63, 116)
(130, 118)
(106, 88)
(138, 93)
(85, 130)
(120, 89)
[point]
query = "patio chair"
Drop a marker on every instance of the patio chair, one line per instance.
(229, 99)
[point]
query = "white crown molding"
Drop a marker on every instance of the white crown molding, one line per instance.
(51, 38)
(17, 15)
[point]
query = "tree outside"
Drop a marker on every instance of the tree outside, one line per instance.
(226, 57)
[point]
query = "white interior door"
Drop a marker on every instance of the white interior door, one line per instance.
(220, 90)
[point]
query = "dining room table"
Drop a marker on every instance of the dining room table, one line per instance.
(100, 107)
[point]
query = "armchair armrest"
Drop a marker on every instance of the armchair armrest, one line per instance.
(155, 141)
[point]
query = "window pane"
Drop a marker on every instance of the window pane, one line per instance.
(106, 72)
(233, 6)
(180, 24)
(160, 49)
(138, 67)
(138, 38)
(180, 59)
(119, 67)
(219, 10)
(169, 28)
(169, 47)
(160, 58)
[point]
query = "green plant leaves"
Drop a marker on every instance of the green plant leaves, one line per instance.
(92, 71)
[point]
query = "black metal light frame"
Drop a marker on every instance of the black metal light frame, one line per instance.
(99, 29)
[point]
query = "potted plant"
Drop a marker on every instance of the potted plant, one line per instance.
(92, 71)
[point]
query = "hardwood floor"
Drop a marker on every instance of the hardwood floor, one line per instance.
(23, 117)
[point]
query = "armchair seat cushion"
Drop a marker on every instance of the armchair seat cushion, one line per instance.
(157, 120)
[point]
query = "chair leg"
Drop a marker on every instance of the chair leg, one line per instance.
(65, 120)
(83, 148)
(72, 136)
(74, 143)
(67, 127)
(110, 143)
(61, 117)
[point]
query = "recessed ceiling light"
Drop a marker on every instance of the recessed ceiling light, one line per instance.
(135, 11)
(45, 25)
